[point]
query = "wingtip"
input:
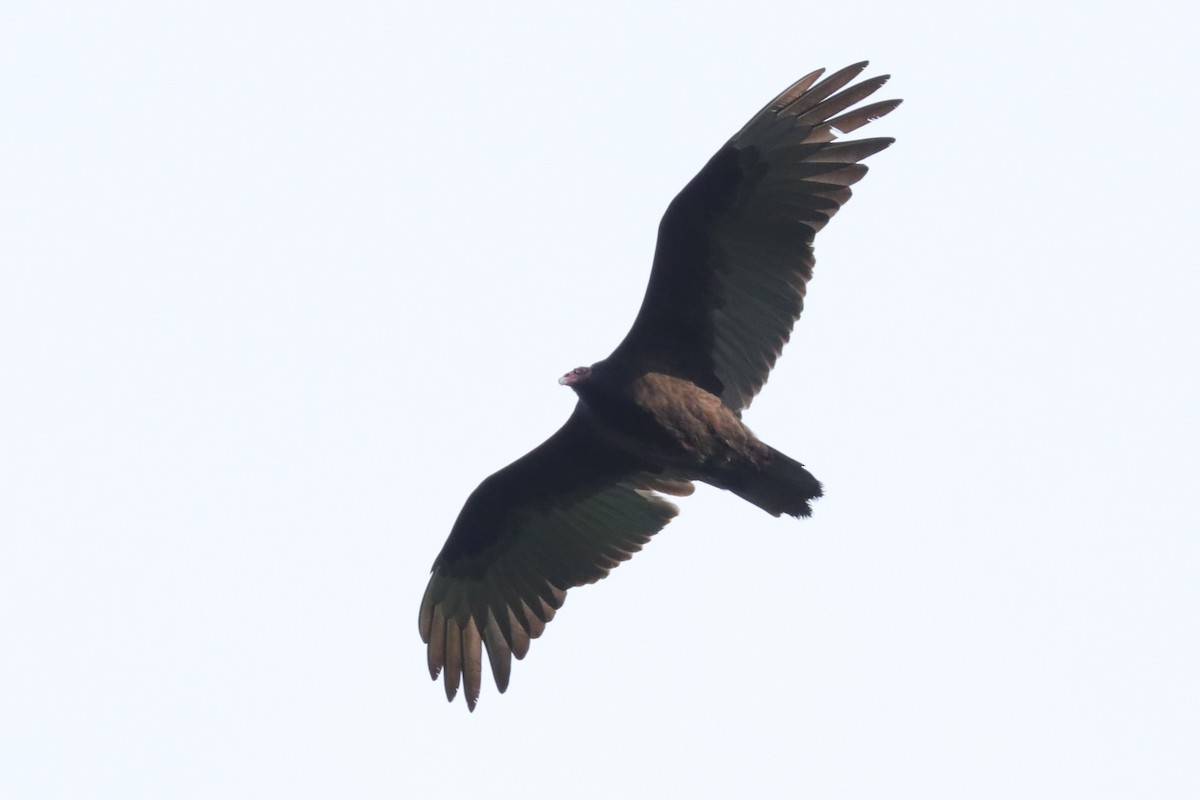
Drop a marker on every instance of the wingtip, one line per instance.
(853, 69)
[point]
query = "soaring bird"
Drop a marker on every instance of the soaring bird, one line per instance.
(733, 258)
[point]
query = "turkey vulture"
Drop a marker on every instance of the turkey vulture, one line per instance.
(664, 409)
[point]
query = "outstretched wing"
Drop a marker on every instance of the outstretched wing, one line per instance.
(735, 246)
(561, 516)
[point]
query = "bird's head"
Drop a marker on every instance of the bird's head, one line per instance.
(576, 376)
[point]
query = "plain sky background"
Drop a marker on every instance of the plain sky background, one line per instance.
(281, 282)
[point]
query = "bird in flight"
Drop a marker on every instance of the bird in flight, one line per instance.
(733, 258)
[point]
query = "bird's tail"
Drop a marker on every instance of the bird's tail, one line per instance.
(778, 485)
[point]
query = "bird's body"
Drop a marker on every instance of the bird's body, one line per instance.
(733, 259)
(678, 428)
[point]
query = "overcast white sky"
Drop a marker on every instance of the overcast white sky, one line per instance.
(280, 283)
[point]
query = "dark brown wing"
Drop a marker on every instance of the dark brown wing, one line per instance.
(561, 516)
(735, 246)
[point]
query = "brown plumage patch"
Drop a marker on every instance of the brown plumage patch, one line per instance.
(702, 425)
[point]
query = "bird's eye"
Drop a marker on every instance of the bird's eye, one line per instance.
(581, 370)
